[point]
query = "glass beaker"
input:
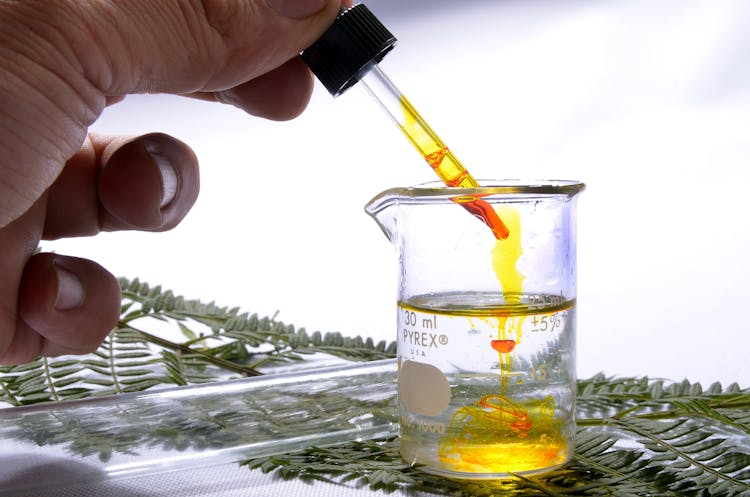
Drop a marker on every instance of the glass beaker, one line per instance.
(486, 327)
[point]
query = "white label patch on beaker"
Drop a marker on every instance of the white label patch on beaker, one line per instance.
(422, 388)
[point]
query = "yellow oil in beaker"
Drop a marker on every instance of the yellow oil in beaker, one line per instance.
(500, 420)
(490, 430)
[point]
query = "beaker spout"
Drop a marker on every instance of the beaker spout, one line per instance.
(384, 210)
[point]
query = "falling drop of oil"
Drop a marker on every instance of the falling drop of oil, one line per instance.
(503, 346)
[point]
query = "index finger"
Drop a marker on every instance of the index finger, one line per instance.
(182, 47)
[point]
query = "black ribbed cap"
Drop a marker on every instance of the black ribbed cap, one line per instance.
(355, 40)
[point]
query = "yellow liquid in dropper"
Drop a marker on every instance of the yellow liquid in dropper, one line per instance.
(448, 167)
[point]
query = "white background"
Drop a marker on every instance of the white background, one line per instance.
(646, 102)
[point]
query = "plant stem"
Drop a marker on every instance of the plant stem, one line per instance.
(6, 391)
(111, 361)
(50, 380)
(216, 361)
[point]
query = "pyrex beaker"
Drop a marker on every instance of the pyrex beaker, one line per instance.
(486, 327)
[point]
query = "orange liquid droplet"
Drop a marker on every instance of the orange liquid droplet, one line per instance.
(503, 346)
(436, 158)
(484, 211)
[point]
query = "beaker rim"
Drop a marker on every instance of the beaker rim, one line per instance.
(437, 191)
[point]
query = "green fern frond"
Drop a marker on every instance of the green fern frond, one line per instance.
(219, 342)
(650, 439)
(636, 436)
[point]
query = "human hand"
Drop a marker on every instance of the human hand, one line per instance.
(61, 63)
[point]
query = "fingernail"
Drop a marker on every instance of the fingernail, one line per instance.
(297, 9)
(168, 173)
(70, 293)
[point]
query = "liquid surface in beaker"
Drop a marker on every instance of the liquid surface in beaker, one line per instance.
(502, 411)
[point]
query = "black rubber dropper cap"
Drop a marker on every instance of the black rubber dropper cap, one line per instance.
(354, 42)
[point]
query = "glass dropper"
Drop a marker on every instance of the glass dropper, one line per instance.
(349, 52)
(429, 145)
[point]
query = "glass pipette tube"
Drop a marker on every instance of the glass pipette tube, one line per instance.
(430, 146)
(188, 427)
